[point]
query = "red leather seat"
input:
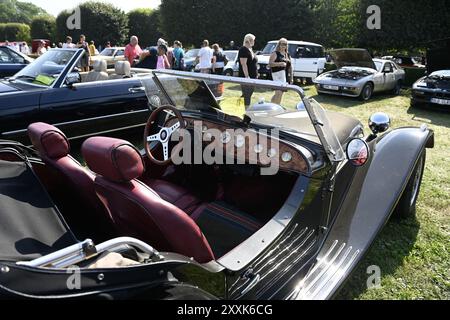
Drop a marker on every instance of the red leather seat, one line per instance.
(136, 209)
(53, 147)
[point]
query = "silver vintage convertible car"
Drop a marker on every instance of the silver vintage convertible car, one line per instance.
(358, 75)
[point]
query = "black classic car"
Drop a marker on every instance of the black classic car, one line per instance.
(52, 90)
(434, 89)
(12, 61)
(287, 208)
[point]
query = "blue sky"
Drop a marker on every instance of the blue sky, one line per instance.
(56, 6)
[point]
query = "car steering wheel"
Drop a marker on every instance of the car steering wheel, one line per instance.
(163, 136)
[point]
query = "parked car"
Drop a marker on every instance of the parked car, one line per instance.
(404, 61)
(308, 59)
(232, 67)
(51, 89)
(12, 61)
(190, 59)
(358, 75)
(223, 230)
(35, 45)
(111, 56)
(434, 89)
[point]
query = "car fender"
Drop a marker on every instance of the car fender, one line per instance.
(373, 195)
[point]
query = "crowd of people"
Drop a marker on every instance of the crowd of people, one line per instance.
(209, 60)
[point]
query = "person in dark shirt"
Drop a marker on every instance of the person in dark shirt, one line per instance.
(248, 67)
(148, 59)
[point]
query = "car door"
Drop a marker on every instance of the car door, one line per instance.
(18, 109)
(389, 76)
(96, 107)
(10, 63)
(306, 62)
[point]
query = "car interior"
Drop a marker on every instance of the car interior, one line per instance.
(122, 70)
(199, 211)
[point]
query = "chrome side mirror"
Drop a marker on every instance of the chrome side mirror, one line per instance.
(72, 78)
(358, 152)
(379, 123)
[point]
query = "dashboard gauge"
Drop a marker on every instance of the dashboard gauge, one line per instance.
(226, 137)
(240, 141)
(286, 157)
(272, 153)
(258, 148)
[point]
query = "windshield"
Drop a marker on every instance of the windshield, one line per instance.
(270, 47)
(47, 68)
(440, 74)
(107, 52)
(192, 53)
(231, 55)
(262, 102)
(378, 65)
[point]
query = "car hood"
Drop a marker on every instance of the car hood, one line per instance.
(5, 87)
(352, 58)
(263, 58)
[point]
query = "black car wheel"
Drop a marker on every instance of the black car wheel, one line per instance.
(398, 87)
(366, 92)
(407, 205)
(229, 73)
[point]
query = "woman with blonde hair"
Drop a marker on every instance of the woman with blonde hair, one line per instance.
(281, 66)
(248, 66)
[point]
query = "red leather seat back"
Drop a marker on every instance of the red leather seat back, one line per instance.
(136, 209)
(54, 148)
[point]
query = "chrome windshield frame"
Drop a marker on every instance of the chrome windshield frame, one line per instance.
(317, 122)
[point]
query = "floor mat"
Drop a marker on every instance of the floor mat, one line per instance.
(226, 227)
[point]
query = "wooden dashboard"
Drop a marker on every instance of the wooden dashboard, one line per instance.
(247, 146)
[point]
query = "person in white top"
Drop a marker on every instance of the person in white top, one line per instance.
(205, 56)
(68, 44)
(41, 49)
(25, 49)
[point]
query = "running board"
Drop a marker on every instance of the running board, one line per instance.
(327, 272)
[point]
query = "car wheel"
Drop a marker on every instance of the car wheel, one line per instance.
(366, 92)
(229, 73)
(398, 87)
(406, 207)
(309, 81)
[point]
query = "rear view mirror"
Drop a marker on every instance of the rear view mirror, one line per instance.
(358, 152)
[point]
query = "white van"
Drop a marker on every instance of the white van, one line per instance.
(308, 59)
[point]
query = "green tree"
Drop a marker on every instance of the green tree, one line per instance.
(100, 22)
(15, 32)
(144, 23)
(405, 25)
(20, 12)
(43, 27)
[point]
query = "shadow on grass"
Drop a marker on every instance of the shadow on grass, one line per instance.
(348, 102)
(430, 114)
(388, 252)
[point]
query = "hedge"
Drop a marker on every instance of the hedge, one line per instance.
(14, 32)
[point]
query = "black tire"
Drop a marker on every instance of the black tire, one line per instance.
(406, 207)
(309, 81)
(366, 92)
(229, 73)
(398, 88)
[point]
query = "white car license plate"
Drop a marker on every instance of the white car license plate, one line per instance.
(328, 87)
(441, 101)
